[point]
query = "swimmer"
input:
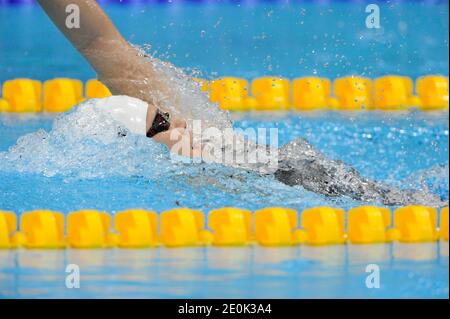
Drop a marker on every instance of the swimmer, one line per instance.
(148, 106)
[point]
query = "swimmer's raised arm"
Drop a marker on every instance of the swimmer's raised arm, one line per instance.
(96, 39)
(118, 65)
(94, 24)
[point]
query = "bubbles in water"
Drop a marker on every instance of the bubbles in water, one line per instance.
(86, 143)
(182, 96)
(434, 179)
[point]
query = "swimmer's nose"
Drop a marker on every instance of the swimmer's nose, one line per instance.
(178, 123)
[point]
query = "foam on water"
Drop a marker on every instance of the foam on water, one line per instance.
(86, 143)
(186, 99)
(433, 180)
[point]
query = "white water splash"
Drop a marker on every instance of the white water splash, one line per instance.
(182, 96)
(86, 143)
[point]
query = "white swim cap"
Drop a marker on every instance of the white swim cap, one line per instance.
(128, 111)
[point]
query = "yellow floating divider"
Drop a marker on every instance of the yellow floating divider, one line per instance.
(137, 228)
(96, 90)
(89, 229)
(277, 226)
(230, 226)
(311, 93)
(443, 231)
(433, 91)
(271, 93)
(42, 229)
(8, 224)
(394, 92)
(324, 225)
(368, 225)
(23, 95)
(5, 106)
(184, 227)
(181, 227)
(250, 103)
(230, 93)
(416, 224)
(353, 93)
(60, 95)
(391, 92)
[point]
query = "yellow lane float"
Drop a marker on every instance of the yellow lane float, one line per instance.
(227, 226)
(443, 231)
(324, 225)
(230, 93)
(5, 106)
(311, 93)
(230, 226)
(271, 93)
(368, 225)
(88, 229)
(416, 224)
(183, 227)
(42, 229)
(276, 226)
(394, 93)
(23, 95)
(137, 228)
(433, 92)
(353, 93)
(350, 93)
(96, 90)
(8, 224)
(60, 95)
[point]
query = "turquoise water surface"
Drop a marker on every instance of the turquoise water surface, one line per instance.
(40, 168)
(288, 38)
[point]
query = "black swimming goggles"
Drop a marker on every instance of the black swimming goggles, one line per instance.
(161, 123)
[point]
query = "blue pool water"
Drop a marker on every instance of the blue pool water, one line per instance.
(407, 271)
(315, 272)
(43, 171)
(50, 169)
(292, 39)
